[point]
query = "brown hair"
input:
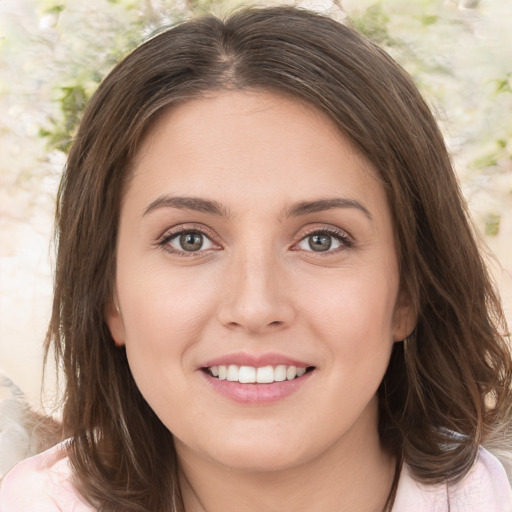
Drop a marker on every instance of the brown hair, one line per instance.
(448, 386)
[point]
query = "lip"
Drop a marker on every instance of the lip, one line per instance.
(256, 394)
(244, 359)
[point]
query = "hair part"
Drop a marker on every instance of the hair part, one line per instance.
(447, 386)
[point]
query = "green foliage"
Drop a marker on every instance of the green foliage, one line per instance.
(427, 20)
(492, 224)
(93, 53)
(374, 24)
(51, 6)
(56, 9)
(500, 148)
(504, 85)
(72, 101)
(501, 152)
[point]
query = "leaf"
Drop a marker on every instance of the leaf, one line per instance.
(373, 23)
(504, 85)
(485, 161)
(428, 20)
(492, 224)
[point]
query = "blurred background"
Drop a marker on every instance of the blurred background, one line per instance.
(54, 53)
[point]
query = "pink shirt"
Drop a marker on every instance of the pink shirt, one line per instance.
(42, 484)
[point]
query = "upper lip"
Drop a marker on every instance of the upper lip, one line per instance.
(256, 361)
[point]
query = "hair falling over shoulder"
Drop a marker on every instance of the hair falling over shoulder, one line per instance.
(448, 387)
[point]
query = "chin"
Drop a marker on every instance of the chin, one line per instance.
(259, 460)
(261, 454)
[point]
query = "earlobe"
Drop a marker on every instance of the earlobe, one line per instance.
(115, 322)
(404, 319)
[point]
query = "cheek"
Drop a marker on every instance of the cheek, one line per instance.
(355, 315)
(361, 297)
(160, 304)
(164, 318)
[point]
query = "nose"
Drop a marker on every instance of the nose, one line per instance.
(256, 298)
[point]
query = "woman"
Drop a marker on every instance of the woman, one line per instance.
(268, 295)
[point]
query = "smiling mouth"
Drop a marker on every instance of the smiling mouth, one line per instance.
(252, 375)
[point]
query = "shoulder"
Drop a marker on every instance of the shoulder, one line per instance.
(485, 487)
(41, 483)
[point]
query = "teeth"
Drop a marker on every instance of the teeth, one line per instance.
(233, 373)
(247, 374)
(291, 372)
(265, 375)
(280, 373)
(262, 375)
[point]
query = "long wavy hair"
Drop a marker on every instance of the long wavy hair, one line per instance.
(448, 385)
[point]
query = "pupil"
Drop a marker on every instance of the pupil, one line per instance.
(191, 241)
(320, 243)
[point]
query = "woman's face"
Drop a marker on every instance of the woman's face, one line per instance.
(257, 282)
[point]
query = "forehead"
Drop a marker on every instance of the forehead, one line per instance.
(273, 144)
(257, 113)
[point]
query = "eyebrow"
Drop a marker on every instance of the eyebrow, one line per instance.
(187, 203)
(307, 207)
(214, 208)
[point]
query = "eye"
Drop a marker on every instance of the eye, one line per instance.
(187, 242)
(325, 241)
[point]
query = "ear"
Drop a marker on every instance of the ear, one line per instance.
(115, 322)
(404, 317)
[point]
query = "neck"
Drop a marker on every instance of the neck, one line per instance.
(354, 474)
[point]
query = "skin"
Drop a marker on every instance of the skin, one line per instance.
(256, 286)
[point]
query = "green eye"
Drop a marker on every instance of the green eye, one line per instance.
(319, 242)
(190, 242)
(325, 241)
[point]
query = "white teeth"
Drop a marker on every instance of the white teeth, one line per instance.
(265, 375)
(262, 375)
(291, 372)
(280, 373)
(232, 374)
(247, 374)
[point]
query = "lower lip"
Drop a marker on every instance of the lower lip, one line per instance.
(256, 393)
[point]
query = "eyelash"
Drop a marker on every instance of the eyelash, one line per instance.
(346, 241)
(168, 236)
